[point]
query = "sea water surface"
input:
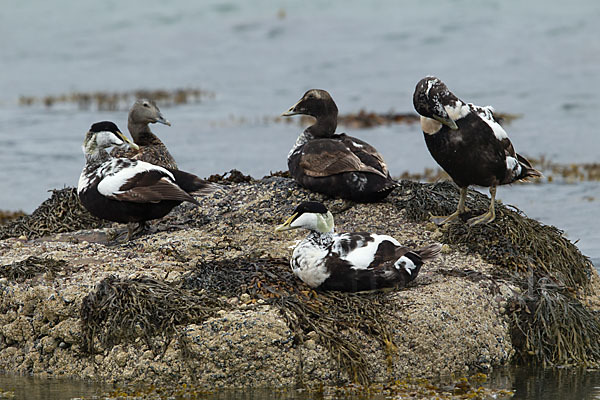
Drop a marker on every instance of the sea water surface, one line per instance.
(538, 59)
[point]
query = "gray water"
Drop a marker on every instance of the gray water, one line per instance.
(536, 58)
(526, 383)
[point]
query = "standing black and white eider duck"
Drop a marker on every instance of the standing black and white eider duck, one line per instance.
(468, 143)
(151, 148)
(337, 165)
(350, 262)
(130, 191)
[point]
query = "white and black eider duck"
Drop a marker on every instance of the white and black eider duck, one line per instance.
(337, 165)
(468, 143)
(151, 148)
(350, 262)
(130, 191)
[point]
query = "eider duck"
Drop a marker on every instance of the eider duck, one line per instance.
(468, 143)
(151, 148)
(130, 191)
(350, 262)
(337, 165)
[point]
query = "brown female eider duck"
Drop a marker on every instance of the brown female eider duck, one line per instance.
(337, 165)
(130, 191)
(468, 143)
(151, 148)
(350, 262)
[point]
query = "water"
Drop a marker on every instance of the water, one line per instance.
(536, 58)
(526, 383)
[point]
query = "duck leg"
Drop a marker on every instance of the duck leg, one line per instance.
(441, 220)
(489, 215)
(134, 229)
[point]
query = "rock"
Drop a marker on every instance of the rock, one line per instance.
(449, 320)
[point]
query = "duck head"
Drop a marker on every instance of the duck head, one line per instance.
(103, 135)
(431, 98)
(146, 111)
(309, 215)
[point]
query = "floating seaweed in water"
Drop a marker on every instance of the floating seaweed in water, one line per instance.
(31, 267)
(9, 216)
(111, 101)
(62, 212)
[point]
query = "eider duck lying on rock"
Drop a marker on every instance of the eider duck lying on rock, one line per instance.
(350, 262)
(130, 191)
(151, 148)
(468, 143)
(337, 165)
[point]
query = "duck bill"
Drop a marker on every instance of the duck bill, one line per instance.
(286, 226)
(162, 120)
(127, 141)
(293, 110)
(449, 122)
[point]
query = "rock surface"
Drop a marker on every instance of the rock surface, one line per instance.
(450, 320)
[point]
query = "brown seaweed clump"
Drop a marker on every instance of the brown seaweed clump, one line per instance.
(339, 319)
(552, 327)
(122, 309)
(513, 241)
(62, 212)
(32, 267)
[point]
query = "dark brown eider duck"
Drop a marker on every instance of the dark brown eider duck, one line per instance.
(337, 165)
(130, 191)
(468, 143)
(151, 148)
(350, 262)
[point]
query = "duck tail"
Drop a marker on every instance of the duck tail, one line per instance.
(527, 171)
(429, 252)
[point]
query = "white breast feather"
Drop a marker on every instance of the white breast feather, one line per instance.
(362, 256)
(114, 179)
(308, 263)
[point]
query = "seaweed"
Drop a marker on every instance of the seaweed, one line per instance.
(62, 212)
(513, 241)
(339, 319)
(31, 267)
(124, 309)
(551, 327)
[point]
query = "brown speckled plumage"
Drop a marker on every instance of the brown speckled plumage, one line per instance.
(152, 149)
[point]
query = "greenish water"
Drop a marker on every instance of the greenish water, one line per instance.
(528, 383)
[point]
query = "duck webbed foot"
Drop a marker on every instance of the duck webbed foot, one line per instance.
(490, 215)
(441, 220)
(134, 229)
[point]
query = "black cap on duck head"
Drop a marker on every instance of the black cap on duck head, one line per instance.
(104, 126)
(105, 134)
(316, 103)
(430, 97)
(310, 207)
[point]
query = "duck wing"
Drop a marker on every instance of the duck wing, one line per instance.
(325, 157)
(367, 153)
(141, 182)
